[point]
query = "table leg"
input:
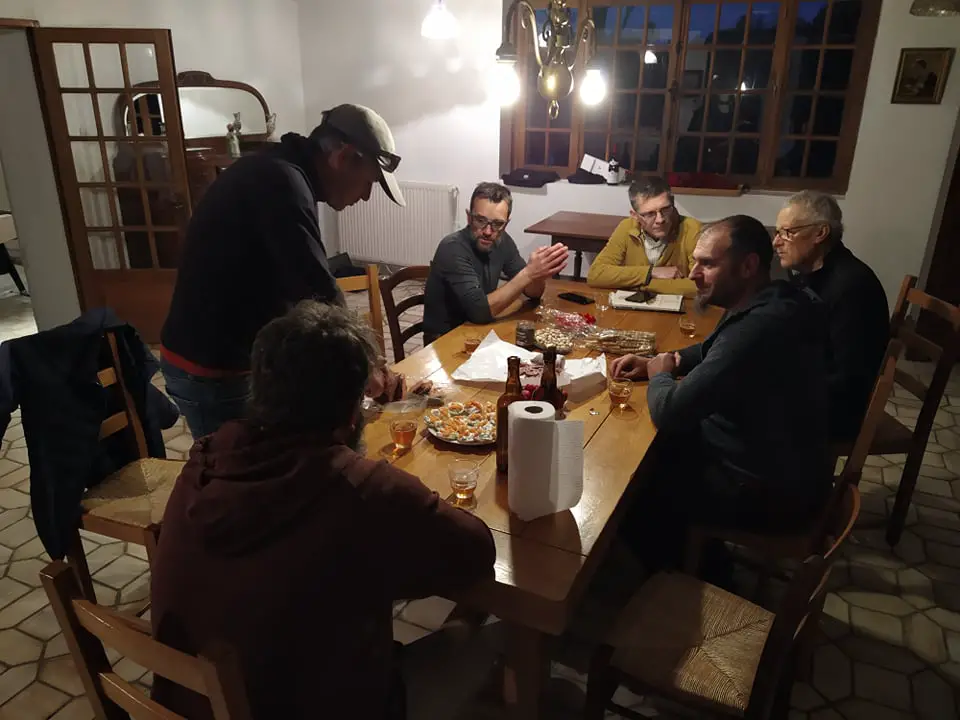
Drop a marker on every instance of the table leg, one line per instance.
(577, 264)
(527, 671)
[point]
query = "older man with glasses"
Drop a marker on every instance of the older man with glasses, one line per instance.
(653, 248)
(464, 282)
(809, 243)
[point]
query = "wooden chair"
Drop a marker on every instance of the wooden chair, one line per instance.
(892, 437)
(88, 627)
(128, 504)
(371, 283)
(709, 649)
(394, 310)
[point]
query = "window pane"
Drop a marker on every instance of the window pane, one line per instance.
(631, 24)
(595, 144)
(696, 69)
(836, 69)
(685, 159)
(655, 73)
(71, 65)
(536, 110)
(168, 249)
(596, 117)
(107, 71)
(142, 63)
(746, 154)
(789, 158)
(563, 116)
(764, 17)
(823, 155)
(624, 111)
(651, 112)
(733, 23)
(103, 251)
(605, 18)
(844, 21)
(536, 148)
(756, 69)
(691, 113)
(647, 155)
(751, 113)
(79, 111)
(96, 206)
(715, 151)
(829, 116)
(796, 114)
(621, 149)
(726, 69)
(87, 161)
(811, 17)
(660, 25)
(703, 20)
(558, 149)
(720, 115)
(627, 75)
(803, 69)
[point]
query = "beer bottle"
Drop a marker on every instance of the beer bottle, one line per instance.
(549, 390)
(511, 394)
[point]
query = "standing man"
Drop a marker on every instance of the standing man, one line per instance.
(809, 244)
(653, 248)
(464, 282)
(253, 250)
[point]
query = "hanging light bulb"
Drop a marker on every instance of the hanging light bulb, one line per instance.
(594, 87)
(439, 24)
(650, 57)
(504, 83)
(935, 8)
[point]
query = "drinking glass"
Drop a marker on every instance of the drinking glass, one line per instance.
(620, 392)
(688, 328)
(471, 341)
(463, 481)
(403, 419)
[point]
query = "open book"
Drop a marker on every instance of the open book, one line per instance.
(659, 303)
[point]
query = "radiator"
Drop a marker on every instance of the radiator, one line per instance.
(380, 231)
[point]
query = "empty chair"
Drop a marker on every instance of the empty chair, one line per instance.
(394, 309)
(371, 283)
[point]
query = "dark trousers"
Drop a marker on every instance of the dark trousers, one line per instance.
(206, 403)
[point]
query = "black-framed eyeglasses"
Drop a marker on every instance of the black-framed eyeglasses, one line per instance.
(481, 223)
(789, 233)
(387, 161)
(652, 215)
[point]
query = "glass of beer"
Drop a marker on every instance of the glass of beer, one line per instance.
(688, 328)
(620, 392)
(464, 475)
(471, 341)
(403, 419)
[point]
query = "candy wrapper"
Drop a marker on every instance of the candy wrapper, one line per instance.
(576, 324)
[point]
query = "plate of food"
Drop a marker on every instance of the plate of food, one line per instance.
(470, 423)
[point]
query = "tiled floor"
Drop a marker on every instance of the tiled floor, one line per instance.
(892, 632)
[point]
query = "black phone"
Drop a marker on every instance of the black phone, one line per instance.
(644, 296)
(576, 297)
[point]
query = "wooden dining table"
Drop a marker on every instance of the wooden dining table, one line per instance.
(544, 566)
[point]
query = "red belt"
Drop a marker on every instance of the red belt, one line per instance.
(191, 367)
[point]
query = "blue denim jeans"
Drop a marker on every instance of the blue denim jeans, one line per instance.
(206, 403)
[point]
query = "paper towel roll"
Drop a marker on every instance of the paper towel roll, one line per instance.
(536, 485)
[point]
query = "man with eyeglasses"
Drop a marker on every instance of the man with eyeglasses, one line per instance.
(653, 248)
(809, 243)
(253, 250)
(464, 282)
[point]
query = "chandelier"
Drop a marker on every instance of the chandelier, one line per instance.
(559, 48)
(935, 8)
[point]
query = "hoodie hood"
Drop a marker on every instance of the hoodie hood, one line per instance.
(244, 486)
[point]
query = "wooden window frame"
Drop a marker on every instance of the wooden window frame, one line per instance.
(513, 120)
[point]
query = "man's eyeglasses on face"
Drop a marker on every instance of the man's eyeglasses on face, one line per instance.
(790, 233)
(481, 223)
(652, 215)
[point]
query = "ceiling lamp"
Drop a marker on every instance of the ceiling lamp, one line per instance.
(557, 51)
(935, 8)
(439, 24)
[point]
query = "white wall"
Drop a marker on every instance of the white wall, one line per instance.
(4, 196)
(433, 96)
(33, 190)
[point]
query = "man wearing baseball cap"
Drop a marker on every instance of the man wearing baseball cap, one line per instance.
(253, 250)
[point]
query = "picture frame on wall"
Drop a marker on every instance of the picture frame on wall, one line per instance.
(922, 75)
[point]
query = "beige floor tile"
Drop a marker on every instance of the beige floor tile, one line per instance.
(831, 673)
(18, 455)
(11, 499)
(26, 606)
(31, 549)
(26, 571)
(121, 572)
(17, 648)
(15, 679)
(62, 674)
(429, 613)
(11, 517)
(406, 633)
(8, 468)
(43, 625)
(925, 638)
(876, 625)
(181, 443)
(20, 533)
(103, 556)
(933, 698)
(77, 709)
(881, 602)
(882, 686)
(37, 702)
(129, 670)
(10, 590)
(805, 698)
(866, 650)
(56, 647)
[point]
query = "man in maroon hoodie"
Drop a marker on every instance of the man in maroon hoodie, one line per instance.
(281, 540)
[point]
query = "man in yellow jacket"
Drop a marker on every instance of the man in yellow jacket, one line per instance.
(653, 248)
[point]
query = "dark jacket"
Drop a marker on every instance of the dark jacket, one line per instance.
(252, 251)
(858, 319)
(293, 551)
(52, 378)
(756, 391)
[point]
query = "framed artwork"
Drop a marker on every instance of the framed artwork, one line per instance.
(922, 75)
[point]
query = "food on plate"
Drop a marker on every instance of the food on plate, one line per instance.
(534, 368)
(474, 422)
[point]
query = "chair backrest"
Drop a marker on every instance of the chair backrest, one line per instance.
(903, 327)
(370, 282)
(125, 417)
(395, 309)
(88, 627)
(803, 599)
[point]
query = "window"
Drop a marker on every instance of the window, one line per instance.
(767, 93)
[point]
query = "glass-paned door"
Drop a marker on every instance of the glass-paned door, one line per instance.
(123, 181)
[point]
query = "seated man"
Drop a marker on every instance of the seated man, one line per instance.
(652, 248)
(466, 269)
(809, 243)
(742, 440)
(283, 541)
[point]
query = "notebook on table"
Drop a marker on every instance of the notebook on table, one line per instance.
(632, 300)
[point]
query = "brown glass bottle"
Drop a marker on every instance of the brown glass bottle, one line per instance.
(511, 393)
(549, 390)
